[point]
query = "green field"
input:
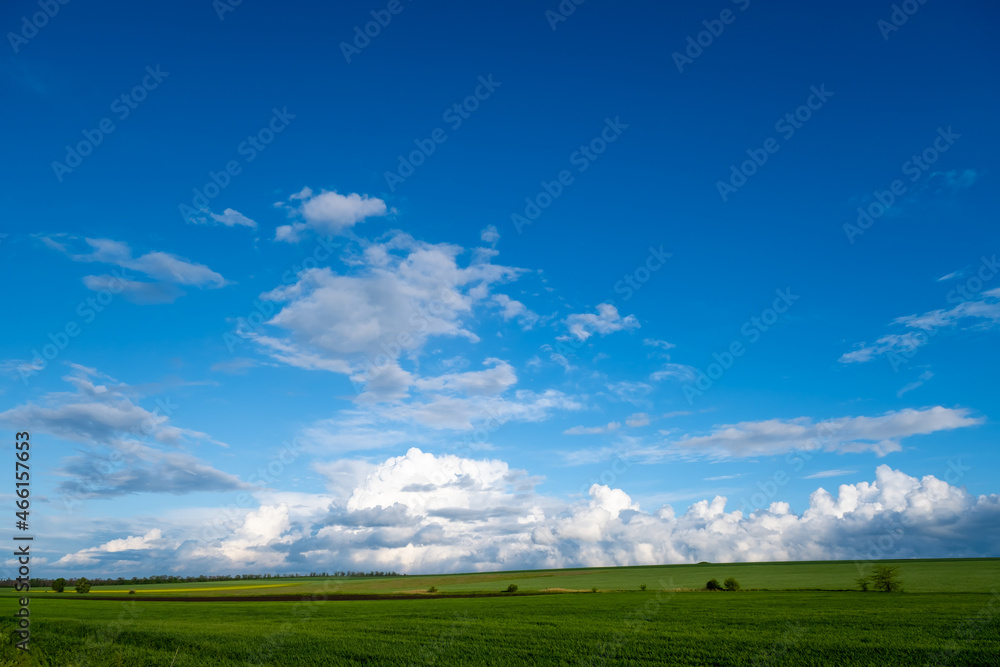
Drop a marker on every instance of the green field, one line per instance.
(948, 611)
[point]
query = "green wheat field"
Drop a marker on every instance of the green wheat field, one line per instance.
(803, 613)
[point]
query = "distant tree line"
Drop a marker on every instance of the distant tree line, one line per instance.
(173, 579)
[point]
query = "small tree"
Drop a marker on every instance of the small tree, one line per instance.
(713, 585)
(731, 584)
(511, 589)
(863, 583)
(642, 587)
(885, 578)
(83, 586)
(59, 585)
(432, 589)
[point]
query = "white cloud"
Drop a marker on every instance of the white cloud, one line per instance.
(489, 234)
(165, 269)
(607, 320)
(637, 420)
(980, 312)
(462, 413)
(679, 372)
(924, 377)
(401, 293)
(630, 392)
(949, 276)
(830, 473)
(881, 434)
(233, 218)
(123, 440)
(489, 382)
(94, 555)
(421, 513)
(511, 309)
(658, 344)
(593, 430)
(328, 213)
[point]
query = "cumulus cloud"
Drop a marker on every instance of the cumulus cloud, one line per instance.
(119, 547)
(328, 213)
(607, 320)
(422, 512)
(398, 294)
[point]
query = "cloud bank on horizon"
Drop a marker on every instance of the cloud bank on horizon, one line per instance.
(413, 311)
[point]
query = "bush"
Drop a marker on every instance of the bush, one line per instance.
(132, 592)
(432, 589)
(863, 583)
(83, 586)
(511, 589)
(731, 584)
(713, 585)
(642, 587)
(59, 585)
(594, 589)
(885, 578)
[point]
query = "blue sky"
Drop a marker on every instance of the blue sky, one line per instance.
(501, 286)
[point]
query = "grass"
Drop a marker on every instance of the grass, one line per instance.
(919, 576)
(948, 607)
(774, 628)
